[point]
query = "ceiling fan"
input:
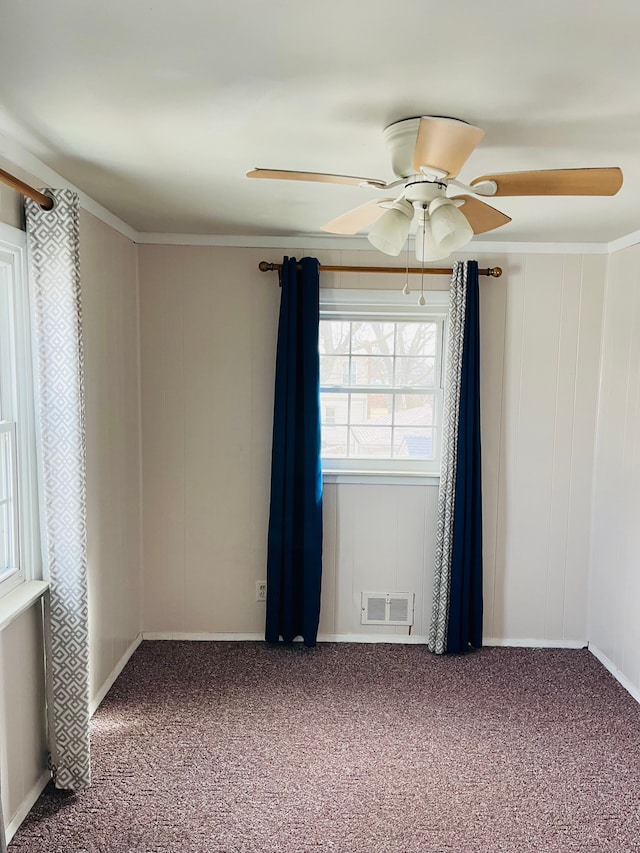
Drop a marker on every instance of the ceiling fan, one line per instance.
(427, 154)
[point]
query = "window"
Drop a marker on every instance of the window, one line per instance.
(381, 381)
(19, 544)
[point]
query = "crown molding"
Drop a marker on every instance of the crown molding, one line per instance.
(311, 241)
(527, 248)
(16, 155)
(624, 242)
(253, 241)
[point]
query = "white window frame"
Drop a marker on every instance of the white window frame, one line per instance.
(16, 387)
(392, 306)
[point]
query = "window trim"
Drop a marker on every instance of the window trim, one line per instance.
(344, 304)
(13, 255)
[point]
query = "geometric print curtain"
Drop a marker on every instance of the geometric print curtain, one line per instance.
(53, 248)
(456, 620)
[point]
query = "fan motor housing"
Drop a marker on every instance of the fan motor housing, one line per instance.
(400, 138)
(422, 192)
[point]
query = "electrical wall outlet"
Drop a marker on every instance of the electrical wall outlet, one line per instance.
(261, 590)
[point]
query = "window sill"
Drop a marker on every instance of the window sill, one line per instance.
(20, 599)
(381, 478)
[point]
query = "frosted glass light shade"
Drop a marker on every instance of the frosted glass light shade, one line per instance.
(390, 232)
(426, 249)
(449, 226)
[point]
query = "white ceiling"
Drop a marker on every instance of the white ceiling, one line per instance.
(157, 108)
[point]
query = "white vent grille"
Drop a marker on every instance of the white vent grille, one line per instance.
(399, 610)
(387, 608)
(376, 609)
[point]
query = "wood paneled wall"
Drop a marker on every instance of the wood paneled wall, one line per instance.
(108, 268)
(539, 396)
(23, 738)
(208, 329)
(614, 627)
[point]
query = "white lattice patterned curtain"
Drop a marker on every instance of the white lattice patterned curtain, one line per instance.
(53, 241)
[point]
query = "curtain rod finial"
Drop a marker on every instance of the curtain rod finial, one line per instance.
(265, 266)
(495, 272)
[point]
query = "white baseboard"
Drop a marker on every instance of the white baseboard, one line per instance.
(322, 638)
(26, 805)
(409, 639)
(533, 643)
(619, 676)
(106, 687)
(406, 639)
(198, 637)
(417, 639)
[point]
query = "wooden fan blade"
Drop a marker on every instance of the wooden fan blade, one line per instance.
(445, 143)
(318, 177)
(556, 182)
(481, 217)
(358, 218)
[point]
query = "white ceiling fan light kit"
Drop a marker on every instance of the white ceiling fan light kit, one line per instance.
(390, 232)
(449, 227)
(426, 156)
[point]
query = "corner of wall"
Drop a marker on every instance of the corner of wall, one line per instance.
(598, 438)
(140, 490)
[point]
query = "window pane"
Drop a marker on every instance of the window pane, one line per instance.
(18, 493)
(334, 370)
(418, 371)
(6, 502)
(334, 408)
(333, 337)
(413, 443)
(4, 538)
(371, 370)
(5, 465)
(375, 357)
(414, 409)
(334, 441)
(416, 338)
(372, 338)
(5, 348)
(371, 409)
(371, 442)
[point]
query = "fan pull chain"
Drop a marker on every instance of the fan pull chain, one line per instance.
(406, 289)
(421, 301)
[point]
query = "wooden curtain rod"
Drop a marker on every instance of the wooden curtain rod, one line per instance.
(495, 272)
(16, 184)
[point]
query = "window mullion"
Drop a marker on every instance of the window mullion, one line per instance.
(350, 375)
(394, 398)
(440, 354)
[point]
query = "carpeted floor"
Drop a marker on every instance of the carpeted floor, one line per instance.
(225, 747)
